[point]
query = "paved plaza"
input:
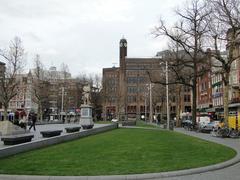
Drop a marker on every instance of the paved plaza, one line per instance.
(46, 127)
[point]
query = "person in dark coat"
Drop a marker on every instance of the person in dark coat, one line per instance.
(32, 118)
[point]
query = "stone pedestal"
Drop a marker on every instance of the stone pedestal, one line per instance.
(8, 128)
(86, 119)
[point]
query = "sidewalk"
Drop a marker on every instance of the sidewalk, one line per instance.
(46, 127)
(228, 173)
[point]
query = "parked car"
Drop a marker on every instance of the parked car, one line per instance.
(114, 120)
(187, 122)
(210, 126)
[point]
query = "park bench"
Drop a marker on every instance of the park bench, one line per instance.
(129, 123)
(72, 129)
(16, 139)
(87, 126)
(51, 133)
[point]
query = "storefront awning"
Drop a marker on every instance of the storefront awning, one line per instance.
(211, 110)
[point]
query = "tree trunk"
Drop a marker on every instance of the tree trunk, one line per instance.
(178, 107)
(225, 102)
(194, 101)
(5, 113)
(39, 112)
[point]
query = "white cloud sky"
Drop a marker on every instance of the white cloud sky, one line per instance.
(84, 34)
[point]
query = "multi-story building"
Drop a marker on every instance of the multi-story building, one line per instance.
(25, 96)
(128, 91)
(204, 87)
(234, 79)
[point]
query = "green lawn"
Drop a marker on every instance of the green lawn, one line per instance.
(121, 151)
(144, 124)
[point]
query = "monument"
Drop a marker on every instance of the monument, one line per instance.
(86, 119)
(8, 128)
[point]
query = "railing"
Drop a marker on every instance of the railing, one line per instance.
(235, 100)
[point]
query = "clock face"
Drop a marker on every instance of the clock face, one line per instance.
(125, 44)
(121, 44)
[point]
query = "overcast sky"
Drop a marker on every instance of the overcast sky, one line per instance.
(84, 34)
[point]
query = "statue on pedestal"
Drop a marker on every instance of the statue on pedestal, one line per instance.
(86, 95)
(86, 120)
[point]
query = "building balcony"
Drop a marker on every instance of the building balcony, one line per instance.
(217, 94)
(235, 100)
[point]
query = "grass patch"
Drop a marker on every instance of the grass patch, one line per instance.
(121, 151)
(144, 124)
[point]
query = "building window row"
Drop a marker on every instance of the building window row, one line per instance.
(135, 80)
(131, 99)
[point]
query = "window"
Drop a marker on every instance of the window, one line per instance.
(132, 89)
(131, 99)
(187, 98)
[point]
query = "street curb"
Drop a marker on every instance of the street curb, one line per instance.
(185, 172)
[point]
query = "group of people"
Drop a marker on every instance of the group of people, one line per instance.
(21, 119)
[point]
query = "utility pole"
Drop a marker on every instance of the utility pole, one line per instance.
(62, 104)
(168, 117)
(145, 107)
(150, 103)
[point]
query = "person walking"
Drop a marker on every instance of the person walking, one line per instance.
(32, 118)
(22, 118)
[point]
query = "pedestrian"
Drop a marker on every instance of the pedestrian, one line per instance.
(23, 118)
(32, 118)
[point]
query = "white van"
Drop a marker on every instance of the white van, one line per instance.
(203, 121)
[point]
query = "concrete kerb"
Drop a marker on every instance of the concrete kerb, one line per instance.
(185, 172)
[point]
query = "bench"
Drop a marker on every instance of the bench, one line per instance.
(129, 123)
(51, 133)
(17, 139)
(87, 126)
(72, 129)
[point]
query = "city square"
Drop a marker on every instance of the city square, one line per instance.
(104, 90)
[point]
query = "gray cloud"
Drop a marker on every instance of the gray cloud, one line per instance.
(81, 33)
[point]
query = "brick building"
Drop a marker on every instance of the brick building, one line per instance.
(128, 93)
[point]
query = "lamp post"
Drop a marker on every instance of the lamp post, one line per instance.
(168, 117)
(150, 104)
(62, 104)
(145, 107)
(167, 96)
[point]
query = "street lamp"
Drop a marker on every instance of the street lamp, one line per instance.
(62, 103)
(168, 117)
(167, 94)
(150, 104)
(149, 88)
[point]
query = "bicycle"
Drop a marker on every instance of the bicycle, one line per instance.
(234, 133)
(226, 132)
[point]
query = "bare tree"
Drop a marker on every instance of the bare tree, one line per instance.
(189, 34)
(40, 87)
(224, 33)
(14, 65)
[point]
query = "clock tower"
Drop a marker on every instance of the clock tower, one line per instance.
(122, 80)
(123, 47)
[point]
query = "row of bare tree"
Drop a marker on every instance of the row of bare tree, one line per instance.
(14, 58)
(203, 30)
